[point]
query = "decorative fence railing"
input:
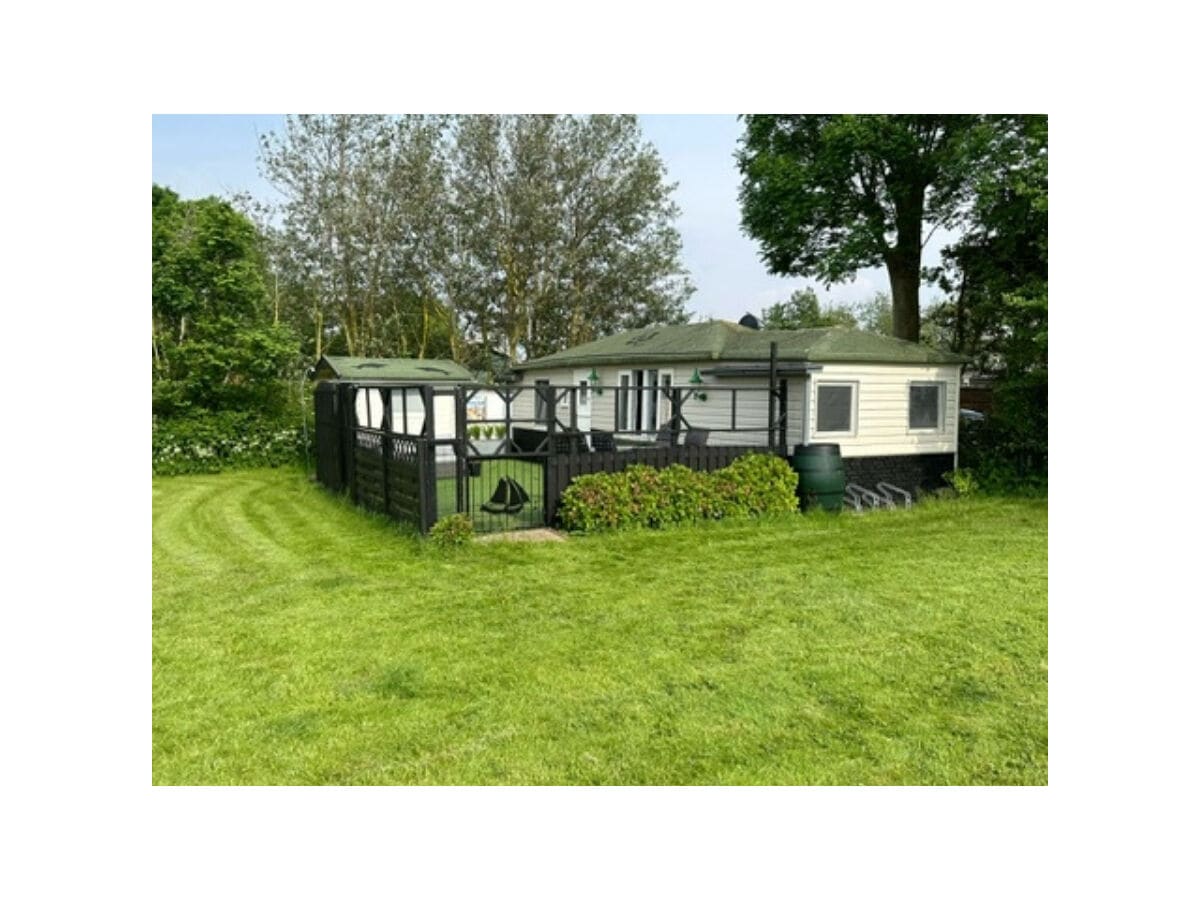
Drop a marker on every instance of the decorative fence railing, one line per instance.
(412, 451)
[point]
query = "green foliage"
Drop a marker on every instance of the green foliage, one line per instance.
(963, 482)
(757, 484)
(646, 497)
(215, 346)
(219, 441)
(475, 431)
(803, 310)
(452, 531)
(563, 229)
(361, 243)
(998, 271)
(456, 236)
(829, 195)
(1009, 450)
(875, 315)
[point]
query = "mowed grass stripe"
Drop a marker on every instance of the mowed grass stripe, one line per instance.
(298, 640)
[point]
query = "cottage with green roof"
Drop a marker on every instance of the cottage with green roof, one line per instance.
(402, 378)
(891, 405)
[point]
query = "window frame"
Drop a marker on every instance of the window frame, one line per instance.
(940, 427)
(543, 402)
(816, 418)
(624, 400)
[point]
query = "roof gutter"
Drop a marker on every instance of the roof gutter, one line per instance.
(736, 370)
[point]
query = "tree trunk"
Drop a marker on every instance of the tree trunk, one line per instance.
(905, 276)
(904, 266)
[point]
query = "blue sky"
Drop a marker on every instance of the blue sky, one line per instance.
(202, 155)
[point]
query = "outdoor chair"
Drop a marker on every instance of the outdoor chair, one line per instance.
(695, 437)
(665, 437)
(527, 440)
(569, 442)
(603, 442)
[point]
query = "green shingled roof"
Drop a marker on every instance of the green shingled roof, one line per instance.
(359, 368)
(720, 340)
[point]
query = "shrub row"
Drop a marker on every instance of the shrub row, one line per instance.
(645, 497)
(215, 442)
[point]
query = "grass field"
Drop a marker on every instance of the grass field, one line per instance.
(298, 640)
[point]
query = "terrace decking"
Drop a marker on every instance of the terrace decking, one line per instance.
(400, 466)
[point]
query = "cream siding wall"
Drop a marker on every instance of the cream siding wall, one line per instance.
(881, 414)
(882, 409)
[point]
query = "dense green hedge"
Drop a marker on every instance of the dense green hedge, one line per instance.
(646, 497)
(214, 442)
(1008, 452)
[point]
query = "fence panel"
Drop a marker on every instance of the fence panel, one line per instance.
(509, 468)
(368, 471)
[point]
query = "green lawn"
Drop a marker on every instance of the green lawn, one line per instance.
(298, 640)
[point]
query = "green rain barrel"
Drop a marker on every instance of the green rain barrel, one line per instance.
(822, 479)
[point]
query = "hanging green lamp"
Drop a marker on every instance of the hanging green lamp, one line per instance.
(594, 380)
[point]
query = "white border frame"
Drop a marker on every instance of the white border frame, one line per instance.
(816, 407)
(943, 389)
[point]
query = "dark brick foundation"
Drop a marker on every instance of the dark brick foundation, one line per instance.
(923, 470)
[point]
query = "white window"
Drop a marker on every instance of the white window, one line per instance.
(542, 399)
(837, 407)
(643, 407)
(625, 402)
(368, 408)
(926, 404)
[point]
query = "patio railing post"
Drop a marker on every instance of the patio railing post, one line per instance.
(460, 448)
(771, 424)
(385, 445)
(426, 484)
(783, 417)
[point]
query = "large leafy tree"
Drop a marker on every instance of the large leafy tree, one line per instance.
(828, 195)
(216, 345)
(998, 272)
(562, 231)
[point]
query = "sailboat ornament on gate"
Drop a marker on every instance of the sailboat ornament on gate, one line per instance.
(509, 497)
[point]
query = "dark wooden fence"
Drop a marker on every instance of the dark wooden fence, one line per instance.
(395, 473)
(330, 468)
(976, 398)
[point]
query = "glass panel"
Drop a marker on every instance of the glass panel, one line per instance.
(833, 407)
(485, 405)
(541, 401)
(368, 408)
(650, 422)
(415, 411)
(923, 405)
